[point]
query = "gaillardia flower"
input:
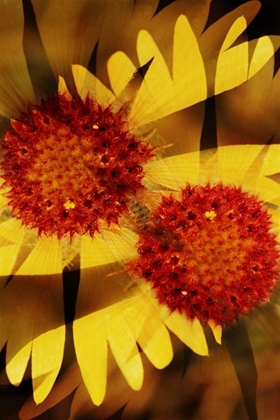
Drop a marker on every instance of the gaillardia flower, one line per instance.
(209, 251)
(74, 176)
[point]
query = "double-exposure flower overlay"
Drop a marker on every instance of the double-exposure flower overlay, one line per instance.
(83, 181)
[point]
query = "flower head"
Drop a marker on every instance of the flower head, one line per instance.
(209, 254)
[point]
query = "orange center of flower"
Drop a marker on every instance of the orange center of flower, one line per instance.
(210, 255)
(70, 164)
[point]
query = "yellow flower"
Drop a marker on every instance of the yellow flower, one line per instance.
(41, 230)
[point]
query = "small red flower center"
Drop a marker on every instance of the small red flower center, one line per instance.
(70, 164)
(209, 255)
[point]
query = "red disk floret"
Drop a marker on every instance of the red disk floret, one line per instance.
(69, 164)
(210, 255)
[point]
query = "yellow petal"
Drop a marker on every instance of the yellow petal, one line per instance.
(149, 330)
(3, 190)
(45, 259)
(190, 85)
(18, 353)
(91, 350)
(110, 246)
(174, 172)
(11, 232)
(160, 94)
(189, 332)
(263, 49)
(66, 384)
(271, 161)
(34, 316)
(45, 368)
(67, 32)
(233, 67)
(120, 70)
(216, 330)
(236, 29)
(16, 91)
(87, 84)
(97, 293)
(267, 189)
(234, 162)
(123, 346)
(62, 88)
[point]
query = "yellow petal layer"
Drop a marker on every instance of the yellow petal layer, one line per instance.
(149, 331)
(69, 31)
(87, 84)
(189, 332)
(216, 330)
(160, 94)
(16, 91)
(34, 318)
(234, 162)
(123, 346)
(62, 89)
(233, 67)
(110, 246)
(91, 350)
(271, 160)
(174, 172)
(11, 236)
(120, 70)
(64, 386)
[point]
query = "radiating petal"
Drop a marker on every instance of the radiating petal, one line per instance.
(87, 84)
(33, 316)
(108, 247)
(212, 39)
(160, 94)
(263, 49)
(150, 332)
(91, 350)
(123, 346)
(66, 384)
(120, 70)
(233, 67)
(267, 190)
(67, 32)
(216, 330)
(11, 236)
(271, 161)
(16, 91)
(137, 15)
(190, 85)
(234, 162)
(189, 332)
(174, 172)
(3, 190)
(62, 88)
(96, 296)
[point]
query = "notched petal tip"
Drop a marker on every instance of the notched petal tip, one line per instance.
(88, 84)
(216, 330)
(120, 71)
(62, 88)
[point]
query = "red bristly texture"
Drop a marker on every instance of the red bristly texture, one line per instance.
(210, 255)
(69, 164)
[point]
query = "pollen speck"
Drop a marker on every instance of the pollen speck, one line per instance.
(210, 215)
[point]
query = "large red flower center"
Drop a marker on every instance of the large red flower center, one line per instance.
(69, 164)
(209, 255)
